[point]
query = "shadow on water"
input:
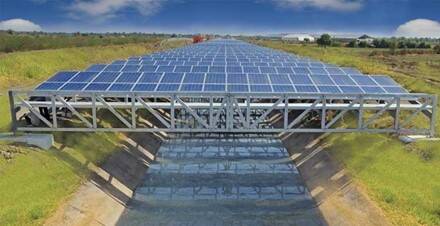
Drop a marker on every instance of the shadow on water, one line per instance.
(222, 181)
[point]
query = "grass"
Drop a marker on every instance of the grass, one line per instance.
(403, 179)
(35, 182)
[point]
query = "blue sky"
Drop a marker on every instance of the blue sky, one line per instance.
(376, 17)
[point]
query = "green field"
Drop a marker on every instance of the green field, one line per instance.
(403, 179)
(35, 182)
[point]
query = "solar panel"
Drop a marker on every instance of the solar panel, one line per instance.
(62, 76)
(50, 86)
(221, 66)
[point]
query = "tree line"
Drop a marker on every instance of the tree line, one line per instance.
(24, 41)
(385, 43)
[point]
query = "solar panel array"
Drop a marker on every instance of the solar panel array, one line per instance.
(221, 66)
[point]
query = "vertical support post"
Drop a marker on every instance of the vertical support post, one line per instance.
(248, 112)
(434, 99)
(94, 120)
(228, 111)
(286, 112)
(211, 114)
(133, 111)
(361, 112)
(173, 100)
(12, 110)
(397, 115)
(54, 112)
(323, 112)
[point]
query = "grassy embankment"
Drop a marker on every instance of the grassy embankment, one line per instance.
(403, 179)
(35, 182)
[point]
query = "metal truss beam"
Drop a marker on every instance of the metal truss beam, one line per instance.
(226, 112)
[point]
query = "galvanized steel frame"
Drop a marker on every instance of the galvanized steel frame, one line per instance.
(236, 109)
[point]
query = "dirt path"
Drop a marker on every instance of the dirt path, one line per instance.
(103, 199)
(340, 201)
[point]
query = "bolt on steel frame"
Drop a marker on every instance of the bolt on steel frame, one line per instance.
(225, 112)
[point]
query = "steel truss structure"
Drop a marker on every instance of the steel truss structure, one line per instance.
(222, 112)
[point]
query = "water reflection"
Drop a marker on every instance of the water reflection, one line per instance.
(236, 181)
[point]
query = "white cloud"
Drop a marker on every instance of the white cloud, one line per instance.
(19, 25)
(108, 8)
(419, 28)
(334, 5)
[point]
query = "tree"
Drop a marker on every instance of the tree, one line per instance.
(325, 40)
(352, 44)
(437, 49)
(363, 44)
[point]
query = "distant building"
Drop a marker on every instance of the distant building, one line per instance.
(298, 38)
(365, 38)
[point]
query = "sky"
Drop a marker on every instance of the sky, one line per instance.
(411, 18)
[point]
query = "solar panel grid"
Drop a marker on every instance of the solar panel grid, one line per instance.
(215, 66)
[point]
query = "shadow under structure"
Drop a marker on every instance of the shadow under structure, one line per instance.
(222, 181)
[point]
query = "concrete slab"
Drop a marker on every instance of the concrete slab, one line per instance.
(43, 141)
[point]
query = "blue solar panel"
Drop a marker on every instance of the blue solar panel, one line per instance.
(129, 77)
(97, 86)
(351, 89)
(328, 89)
(287, 70)
(202, 69)
(258, 79)
(394, 89)
(215, 78)
(335, 71)
(372, 89)
(172, 78)
(306, 89)
(238, 88)
(261, 88)
(214, 88)
(113, 67)
(144, 87)
(322, 79)
(50, 86)
(121, 87)
(148, 68)
(215, 66)
(237, 78)
(167, 87)
(84, 77)
(342, 79)
(301, 70)
(251, 70)
(279, 79)
(194, 78)
(384, 80)
(62, 76)
(363, 80)
(73, 86)
(150, 77)
(268, 70)
(283, 88)
(165, 69)
(301, 79)
(182, 69)
(191, 87)
(317, 71)
(234, 69)
(96, 67)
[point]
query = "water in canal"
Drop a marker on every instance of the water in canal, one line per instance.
(222, 181)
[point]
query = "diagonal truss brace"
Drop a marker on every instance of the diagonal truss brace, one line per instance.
(112, 110)
(267, 112)
(74, 111)
(191, 111)
(154, 112)
(379, 113)
(304, 113)
(35, 112)
(342, 113)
